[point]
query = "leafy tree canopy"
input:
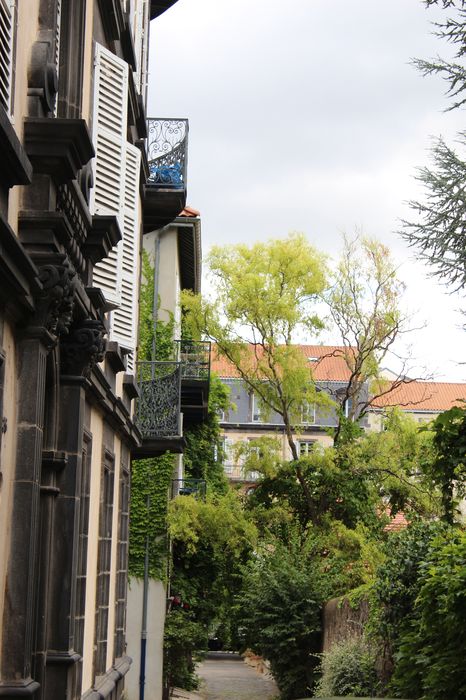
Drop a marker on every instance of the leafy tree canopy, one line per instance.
(264, 295)
(365, 306)
(438, 229)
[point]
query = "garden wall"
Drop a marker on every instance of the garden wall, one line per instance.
(342, 620)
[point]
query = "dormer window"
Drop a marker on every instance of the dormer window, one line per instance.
(308, 413)
(255, 409)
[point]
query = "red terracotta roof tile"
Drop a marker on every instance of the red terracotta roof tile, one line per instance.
(326, 362)
(190, 212)
(424, 396)
(398, 522)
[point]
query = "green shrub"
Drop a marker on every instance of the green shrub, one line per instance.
(348, 669)
(279, 616)
(182, 635)
(430, 661)
(397, 582)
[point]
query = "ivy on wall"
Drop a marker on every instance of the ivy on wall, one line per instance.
(150, 478)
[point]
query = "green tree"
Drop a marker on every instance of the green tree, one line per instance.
(211, 541)
(398, 461)
(365, 306)
(264, 295)
(447, 469)
(279, 616)
(430, 657)
(438, 229)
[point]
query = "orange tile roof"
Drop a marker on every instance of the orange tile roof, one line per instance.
(424, 396)
(398, 522)
(189, 212)
(327, 363)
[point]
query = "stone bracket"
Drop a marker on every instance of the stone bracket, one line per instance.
(58, 147)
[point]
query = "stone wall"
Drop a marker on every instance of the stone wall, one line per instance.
(342, 620)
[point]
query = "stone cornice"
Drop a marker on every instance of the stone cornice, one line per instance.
(103, 236)
(16, 167)
(19, 276)
(58, 147)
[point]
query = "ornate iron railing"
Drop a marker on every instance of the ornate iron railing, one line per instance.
(167, 152)
(189, 487)
(158, 407)
(194, 356)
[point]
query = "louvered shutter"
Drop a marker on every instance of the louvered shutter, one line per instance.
(6, 41)
(124, 319)
(57, 46)
(109, 132)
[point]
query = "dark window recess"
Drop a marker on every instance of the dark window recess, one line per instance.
(122, 562)
(83, 540)
(103, 564)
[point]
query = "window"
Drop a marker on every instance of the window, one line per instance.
(228, 451)
(104, 563)
(347, 406)
(255, 409)
(122, 561)
(305, 447)
(308, 413)
(6, 52)
(83, 540)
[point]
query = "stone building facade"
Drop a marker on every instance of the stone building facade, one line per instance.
(75, 198)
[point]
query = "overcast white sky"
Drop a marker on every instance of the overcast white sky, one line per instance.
(307, 116)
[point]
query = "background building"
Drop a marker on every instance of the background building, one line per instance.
(246, 422)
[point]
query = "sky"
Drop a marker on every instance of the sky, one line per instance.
(307, 116)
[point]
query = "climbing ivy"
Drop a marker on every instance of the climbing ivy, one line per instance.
(203, 456)
(150, 478)
(160, 332)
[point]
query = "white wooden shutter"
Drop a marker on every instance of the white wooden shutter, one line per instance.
(141, 20)
(124, 319)
(109, 134)
(6, 42)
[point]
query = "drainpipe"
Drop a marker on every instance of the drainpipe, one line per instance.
(145, 593)
(155, 302)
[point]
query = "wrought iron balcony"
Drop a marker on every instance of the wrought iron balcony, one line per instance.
(189, 487)
(172, 391)
(167, 155)
(167, 152)
(194, 356)
(158, 409)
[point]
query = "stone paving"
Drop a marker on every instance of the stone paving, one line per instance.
(227, 677)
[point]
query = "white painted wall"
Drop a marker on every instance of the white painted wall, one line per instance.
(155, 625)
(168, 271)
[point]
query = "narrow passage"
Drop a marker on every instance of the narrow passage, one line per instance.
(227, 677)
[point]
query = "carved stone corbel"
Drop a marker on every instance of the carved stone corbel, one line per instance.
(42, 75)
(54, 308)
(83, 348)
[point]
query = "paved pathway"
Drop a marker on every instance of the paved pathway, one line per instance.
(227, 677)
